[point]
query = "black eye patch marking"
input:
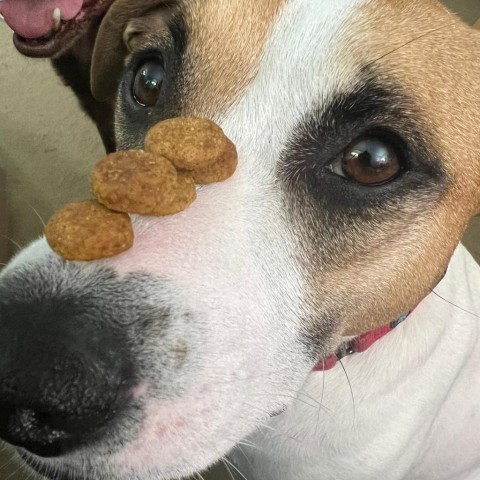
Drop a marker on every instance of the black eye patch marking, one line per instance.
(135, 119)
(340, 222)
(371, 110)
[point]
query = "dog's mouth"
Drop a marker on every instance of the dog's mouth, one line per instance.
(43, 28)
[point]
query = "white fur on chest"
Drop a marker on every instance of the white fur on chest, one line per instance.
(412, 411)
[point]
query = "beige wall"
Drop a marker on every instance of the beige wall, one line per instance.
(469, 10)
(47, 145)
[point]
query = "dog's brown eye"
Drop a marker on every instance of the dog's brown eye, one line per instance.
(368, 161)
(148, 83)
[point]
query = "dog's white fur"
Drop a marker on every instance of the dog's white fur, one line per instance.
(409, 411)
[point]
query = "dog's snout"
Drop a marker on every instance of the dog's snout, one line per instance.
(62, 373)
(33, 431)
(68, 343)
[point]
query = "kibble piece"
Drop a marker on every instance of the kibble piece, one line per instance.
(159, 181)
(189, 143)
(185, 195)
(86, 231)
(219, 171)
(135, 181)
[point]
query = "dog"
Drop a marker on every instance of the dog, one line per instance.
(313, 317)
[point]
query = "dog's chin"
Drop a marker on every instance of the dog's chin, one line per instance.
(136, 460)
(55, 43)
(174, 439)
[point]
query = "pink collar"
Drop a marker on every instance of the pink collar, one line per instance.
(358, 344)
(365, 341)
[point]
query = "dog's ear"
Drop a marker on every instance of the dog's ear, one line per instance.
(147, 30)
(122, 27)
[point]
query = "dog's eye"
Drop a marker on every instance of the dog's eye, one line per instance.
(147, 86)
(368, 161)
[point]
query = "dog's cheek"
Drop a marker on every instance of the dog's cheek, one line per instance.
(203, 425)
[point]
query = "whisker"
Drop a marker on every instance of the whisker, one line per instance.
(425, 34)
(296, 397)
(243, 443)
(200, 476)
(238, 447)
(30, 475)
(288, 396)
(251, 377)
(225, 459)
(277, 432)
(12, 241)
(454, 305)
(15, 471)
(321, 402)
(351, 389)
(247, 443)
(228, 469)
(6, 464)
(36, 212)
(246, 457)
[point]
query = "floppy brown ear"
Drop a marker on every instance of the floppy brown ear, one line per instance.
(73, 66)
(114, 37)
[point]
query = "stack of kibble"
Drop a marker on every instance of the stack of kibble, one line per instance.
(159, 180)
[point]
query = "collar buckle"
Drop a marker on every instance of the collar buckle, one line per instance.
(345, 350)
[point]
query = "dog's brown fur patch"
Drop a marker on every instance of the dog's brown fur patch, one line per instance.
(439, 67)
(223, 53)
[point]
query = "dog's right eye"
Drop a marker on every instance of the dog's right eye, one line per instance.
(147, 86)
(369, 161)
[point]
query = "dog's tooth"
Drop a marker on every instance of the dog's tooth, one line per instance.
(57, 16)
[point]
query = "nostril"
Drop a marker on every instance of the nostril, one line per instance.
(66, 362)
(23, 427)
(54, 413)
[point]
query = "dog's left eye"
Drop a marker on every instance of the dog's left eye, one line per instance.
(148, 83)
(368, 161)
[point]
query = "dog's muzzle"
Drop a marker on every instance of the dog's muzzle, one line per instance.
(64, 368)
(70, 337)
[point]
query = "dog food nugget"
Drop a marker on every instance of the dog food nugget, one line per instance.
(189, 143)
(139, 182)
(159, 181)
(185, 195)
(219, 171)
(86, 231)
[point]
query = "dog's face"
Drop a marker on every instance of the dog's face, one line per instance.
(356, 125)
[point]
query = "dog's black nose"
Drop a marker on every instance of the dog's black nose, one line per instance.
(64, 371)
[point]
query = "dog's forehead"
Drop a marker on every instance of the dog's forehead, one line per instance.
(321, 44)
(306, 51)
(228, 43)
(434, 58)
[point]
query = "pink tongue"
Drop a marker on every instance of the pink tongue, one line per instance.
(33, 18)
